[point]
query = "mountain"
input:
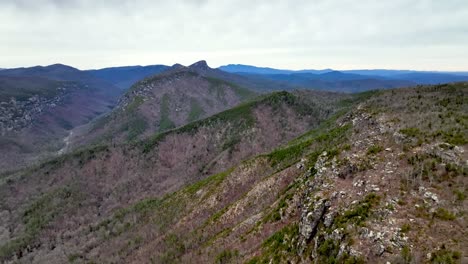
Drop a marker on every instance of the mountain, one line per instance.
(420, 77)
(173, 98)
(331, 81)
(22, 88)
(346, 81)
(39, 105)
(336, 76)
(125, 77)
(241, 68)
(60, 72)
(390, 73)
(91, 184)
(431, 78)
(298, 177)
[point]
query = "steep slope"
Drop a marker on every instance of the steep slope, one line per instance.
(39, 105)
(384, 182)
(171, 99)
(43, 206)
(125, 77)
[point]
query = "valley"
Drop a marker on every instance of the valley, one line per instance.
(234, 132)
(190, 166)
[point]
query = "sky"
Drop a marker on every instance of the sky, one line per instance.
(292, 34)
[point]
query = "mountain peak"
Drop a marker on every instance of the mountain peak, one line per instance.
(177, 66)
(59, 66)
(200, 65)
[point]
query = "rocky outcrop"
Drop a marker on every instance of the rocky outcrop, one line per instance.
(311, 217)
(18, 114)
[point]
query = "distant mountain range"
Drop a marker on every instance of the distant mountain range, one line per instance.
(256, 78)
(241, 68)
(190, 164)
(124, 77)
(379, 77)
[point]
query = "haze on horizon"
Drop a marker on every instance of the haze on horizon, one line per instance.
(298, 34)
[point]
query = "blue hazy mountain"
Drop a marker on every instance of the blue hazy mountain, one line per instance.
(124, 77)
(241, 68)
(348, 80)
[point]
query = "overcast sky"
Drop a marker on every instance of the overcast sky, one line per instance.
(294, 34)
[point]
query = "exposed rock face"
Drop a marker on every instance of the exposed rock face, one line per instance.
(17, 115)
(311, 217)
(47, 102)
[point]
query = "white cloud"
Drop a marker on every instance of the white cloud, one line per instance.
(340, 34)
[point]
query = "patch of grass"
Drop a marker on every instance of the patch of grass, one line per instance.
(212, 180)
(455, 137)
(444, 214)
(275, 215)
(411, 132)
(328, 254)
(173, 249)
(217, 85)
(289, 153)
(360, 213)
(327, 251)
(445, 256)
(135, 126)
(280, 246)
(405, 228)
(255, 260)
(460, 195)
(165, 123)
(196, 110)
(226, 256)
(136, 102)
(325, 140)
(406, 254)
(374, 149)
(73, 257)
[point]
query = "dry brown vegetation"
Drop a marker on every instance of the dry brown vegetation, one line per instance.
(107, 178)
(163, 102)
(384, 179)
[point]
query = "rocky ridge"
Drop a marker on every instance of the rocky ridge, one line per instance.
(16, 115)
(382, 181)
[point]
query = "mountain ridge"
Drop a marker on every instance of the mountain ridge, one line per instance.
(39, 106)
(161, 102)
(358, 187)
